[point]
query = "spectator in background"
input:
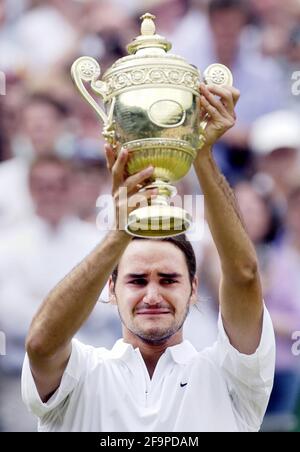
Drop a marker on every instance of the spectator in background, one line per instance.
(90, 179)
(12, 57)
(42, 130)
(252, 73)
(283, 301)
(274, 20)
(43, 126)
(11, 107)
(33, 257)
(275, 140)
(106, 30)
(261, 220)
(46, 32)
(224, 40)
(262, 225)
(256, 211)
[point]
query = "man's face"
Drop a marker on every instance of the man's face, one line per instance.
(255, 213)
(227, 26)
(281, 164)
(43, 125)
(153, 290)
(50, 191)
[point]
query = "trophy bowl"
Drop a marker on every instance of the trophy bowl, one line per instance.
(151, 108)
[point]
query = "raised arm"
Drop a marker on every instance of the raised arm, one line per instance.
(70, 303)
(240, 289)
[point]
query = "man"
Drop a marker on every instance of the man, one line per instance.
(275, 141)
(152, 380)
(43, 125)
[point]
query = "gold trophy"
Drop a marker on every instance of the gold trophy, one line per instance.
(151, 108)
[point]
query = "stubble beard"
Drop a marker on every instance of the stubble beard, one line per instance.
(156, 336)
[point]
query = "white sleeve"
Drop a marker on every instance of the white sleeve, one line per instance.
(75, 371)
(249, 378)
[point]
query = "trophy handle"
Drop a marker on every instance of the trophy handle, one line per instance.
(215, 74)
(87, 69)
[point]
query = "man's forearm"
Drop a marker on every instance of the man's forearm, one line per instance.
(237, 254)
(70, 303)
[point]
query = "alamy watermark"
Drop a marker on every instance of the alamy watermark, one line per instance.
(296, 83)
(2, 344)
(296, 344)
(2, 84)
(192, 204)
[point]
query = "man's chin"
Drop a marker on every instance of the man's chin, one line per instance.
(155, 336)
(155, 340)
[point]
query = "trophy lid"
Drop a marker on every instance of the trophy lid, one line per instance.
(148, 42)
(149, 64)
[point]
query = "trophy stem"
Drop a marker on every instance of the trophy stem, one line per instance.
(165, 190)
(160, 200)
(159, 219)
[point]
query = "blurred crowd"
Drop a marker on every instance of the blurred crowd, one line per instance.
(52, 166)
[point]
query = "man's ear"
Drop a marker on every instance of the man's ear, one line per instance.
(194, 293)
(112, 295)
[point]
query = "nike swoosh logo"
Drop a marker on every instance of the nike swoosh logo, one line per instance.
(183, 384)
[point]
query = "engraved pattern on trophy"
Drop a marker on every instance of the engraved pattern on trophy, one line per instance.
(218, 77)
(121, 81)
(218, 74)
(88, 69)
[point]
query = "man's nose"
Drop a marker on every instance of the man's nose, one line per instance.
(152, 295)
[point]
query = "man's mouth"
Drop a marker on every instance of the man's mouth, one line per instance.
(153, 312)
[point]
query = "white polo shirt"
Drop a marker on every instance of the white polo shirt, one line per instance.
(218, 389)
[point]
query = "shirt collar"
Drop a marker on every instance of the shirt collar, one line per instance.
(180, 353)
(183, 352)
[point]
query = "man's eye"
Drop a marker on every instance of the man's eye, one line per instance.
(138, 282)
(168, 281)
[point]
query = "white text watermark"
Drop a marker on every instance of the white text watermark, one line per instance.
(296, 344)
(193, 205)
(2, 344)
(296, 83)
(2, 84)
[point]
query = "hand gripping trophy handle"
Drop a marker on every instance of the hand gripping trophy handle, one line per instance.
(87, 69)
(215, 74)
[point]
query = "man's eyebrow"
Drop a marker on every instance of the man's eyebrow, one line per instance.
(170, 275)
(136, 275)
(163, 275)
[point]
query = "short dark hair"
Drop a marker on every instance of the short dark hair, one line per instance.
(44, 98)
(220, 5)
(181, 242)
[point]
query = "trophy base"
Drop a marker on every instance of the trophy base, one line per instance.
(158, 221)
